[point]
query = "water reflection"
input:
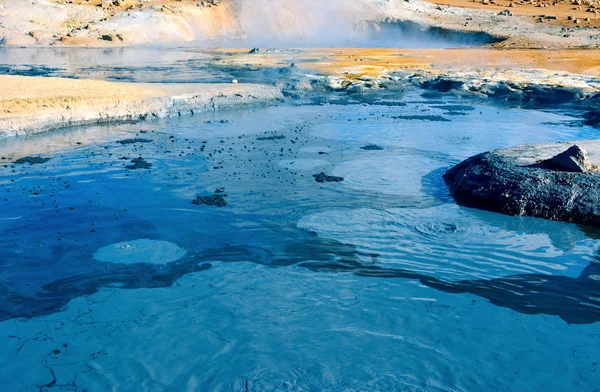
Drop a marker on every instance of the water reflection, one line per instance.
(575, 300)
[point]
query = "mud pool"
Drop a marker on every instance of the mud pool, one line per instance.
(111, 279)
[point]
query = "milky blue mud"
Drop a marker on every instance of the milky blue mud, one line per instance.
(111, 279)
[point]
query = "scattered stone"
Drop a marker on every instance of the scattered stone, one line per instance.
(218, 199)
(505, 13)
(133, 141)
(271, 138)
(322, 177)
(32, 160)
(139, 163)
(372, 147)
(574, 159)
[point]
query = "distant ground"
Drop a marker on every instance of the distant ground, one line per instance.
(535, 47)
(288, 22)
(576, 13)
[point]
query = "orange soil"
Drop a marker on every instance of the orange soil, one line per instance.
(561, 9)
(376, 62)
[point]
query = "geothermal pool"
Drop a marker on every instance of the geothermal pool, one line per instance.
(112, 279)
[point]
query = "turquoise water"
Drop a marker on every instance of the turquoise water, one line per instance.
(376, 283)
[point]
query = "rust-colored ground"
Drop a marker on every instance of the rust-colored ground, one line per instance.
(535, 9)
(374, 62)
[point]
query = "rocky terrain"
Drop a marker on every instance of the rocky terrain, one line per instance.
(289, 22)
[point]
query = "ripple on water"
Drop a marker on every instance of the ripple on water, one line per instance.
(140, 251)
(449, 241)
(315, 149)
(304, 164)
(389, 174)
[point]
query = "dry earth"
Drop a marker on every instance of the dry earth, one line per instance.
(582, 13)
(32, 105)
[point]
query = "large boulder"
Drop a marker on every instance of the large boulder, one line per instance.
(517, 181)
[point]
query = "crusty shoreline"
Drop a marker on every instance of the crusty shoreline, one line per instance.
(30, 105)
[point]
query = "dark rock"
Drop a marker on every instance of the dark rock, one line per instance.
(575, 159)
(505, 13)
(133, 141)
(497, 182)
(442, 85)
(32, 160)
(322, 177)
(271, 138)
(218, 199)
(372, 147)
(139, 163)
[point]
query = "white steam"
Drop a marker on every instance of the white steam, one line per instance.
(309, 22)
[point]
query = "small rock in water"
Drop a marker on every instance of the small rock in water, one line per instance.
(133, 141)
(139, 163)
(32, 160)
(372, 147)
(575, 159)
(218, 199)
(322, 177)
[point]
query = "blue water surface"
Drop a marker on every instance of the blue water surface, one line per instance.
(377, 283)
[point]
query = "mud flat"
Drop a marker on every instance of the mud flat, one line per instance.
(31, 105)
(518, 181)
